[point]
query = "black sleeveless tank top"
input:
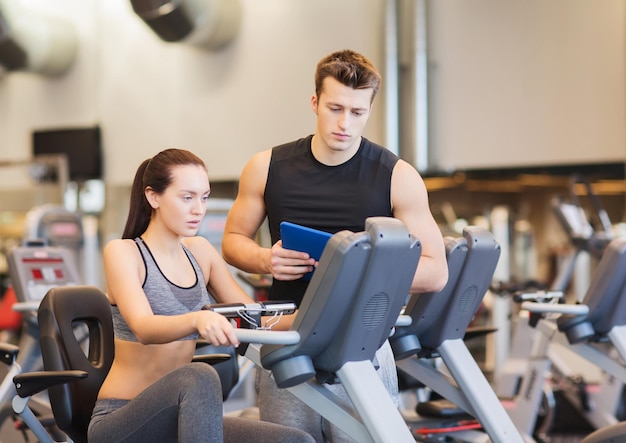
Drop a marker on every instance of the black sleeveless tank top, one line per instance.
(301, 190)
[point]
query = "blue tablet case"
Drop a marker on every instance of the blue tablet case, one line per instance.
(301, 238)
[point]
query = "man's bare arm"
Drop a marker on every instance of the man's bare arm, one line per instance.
(239, 245)
(410, 205)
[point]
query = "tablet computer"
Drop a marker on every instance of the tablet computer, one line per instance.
(304, 239)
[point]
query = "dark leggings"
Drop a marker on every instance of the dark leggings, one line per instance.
(185, 406)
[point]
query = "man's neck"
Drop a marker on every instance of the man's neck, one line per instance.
(331, 157)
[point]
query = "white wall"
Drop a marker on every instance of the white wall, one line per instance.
(512, 83)
(147, 94)
(525, 83)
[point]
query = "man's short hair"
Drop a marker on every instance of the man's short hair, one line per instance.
(350, 69)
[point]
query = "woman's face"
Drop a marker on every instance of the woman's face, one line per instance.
(183, 204)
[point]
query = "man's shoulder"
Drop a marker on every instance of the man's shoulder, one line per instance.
(289, 149)
(378, 153)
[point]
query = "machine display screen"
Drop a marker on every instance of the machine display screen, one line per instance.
(41, 272)
(50, 270)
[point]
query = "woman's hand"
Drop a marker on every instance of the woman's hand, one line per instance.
(216, 329)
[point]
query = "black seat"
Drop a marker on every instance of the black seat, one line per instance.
(64, 314)
(60, 315)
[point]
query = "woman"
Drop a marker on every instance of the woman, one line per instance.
(157, 278)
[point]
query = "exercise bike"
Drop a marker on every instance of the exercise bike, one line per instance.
(34, 268)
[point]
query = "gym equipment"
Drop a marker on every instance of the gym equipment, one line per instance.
(439, 323)
(349, 309)
(9, 353)
(589, 235)
(53, 225)
(594, 330)
(71, 404)
(232, 372)
(586, 234)
(33, 270)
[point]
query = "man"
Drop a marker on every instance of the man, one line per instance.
(331, 181)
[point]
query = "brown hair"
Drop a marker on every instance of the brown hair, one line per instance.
(156, 173)
(350, 69)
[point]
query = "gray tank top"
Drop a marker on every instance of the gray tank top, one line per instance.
(165, 297)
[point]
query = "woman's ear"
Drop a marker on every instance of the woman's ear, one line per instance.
(152, 197)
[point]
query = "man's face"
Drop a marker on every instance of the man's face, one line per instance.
(342, 113)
